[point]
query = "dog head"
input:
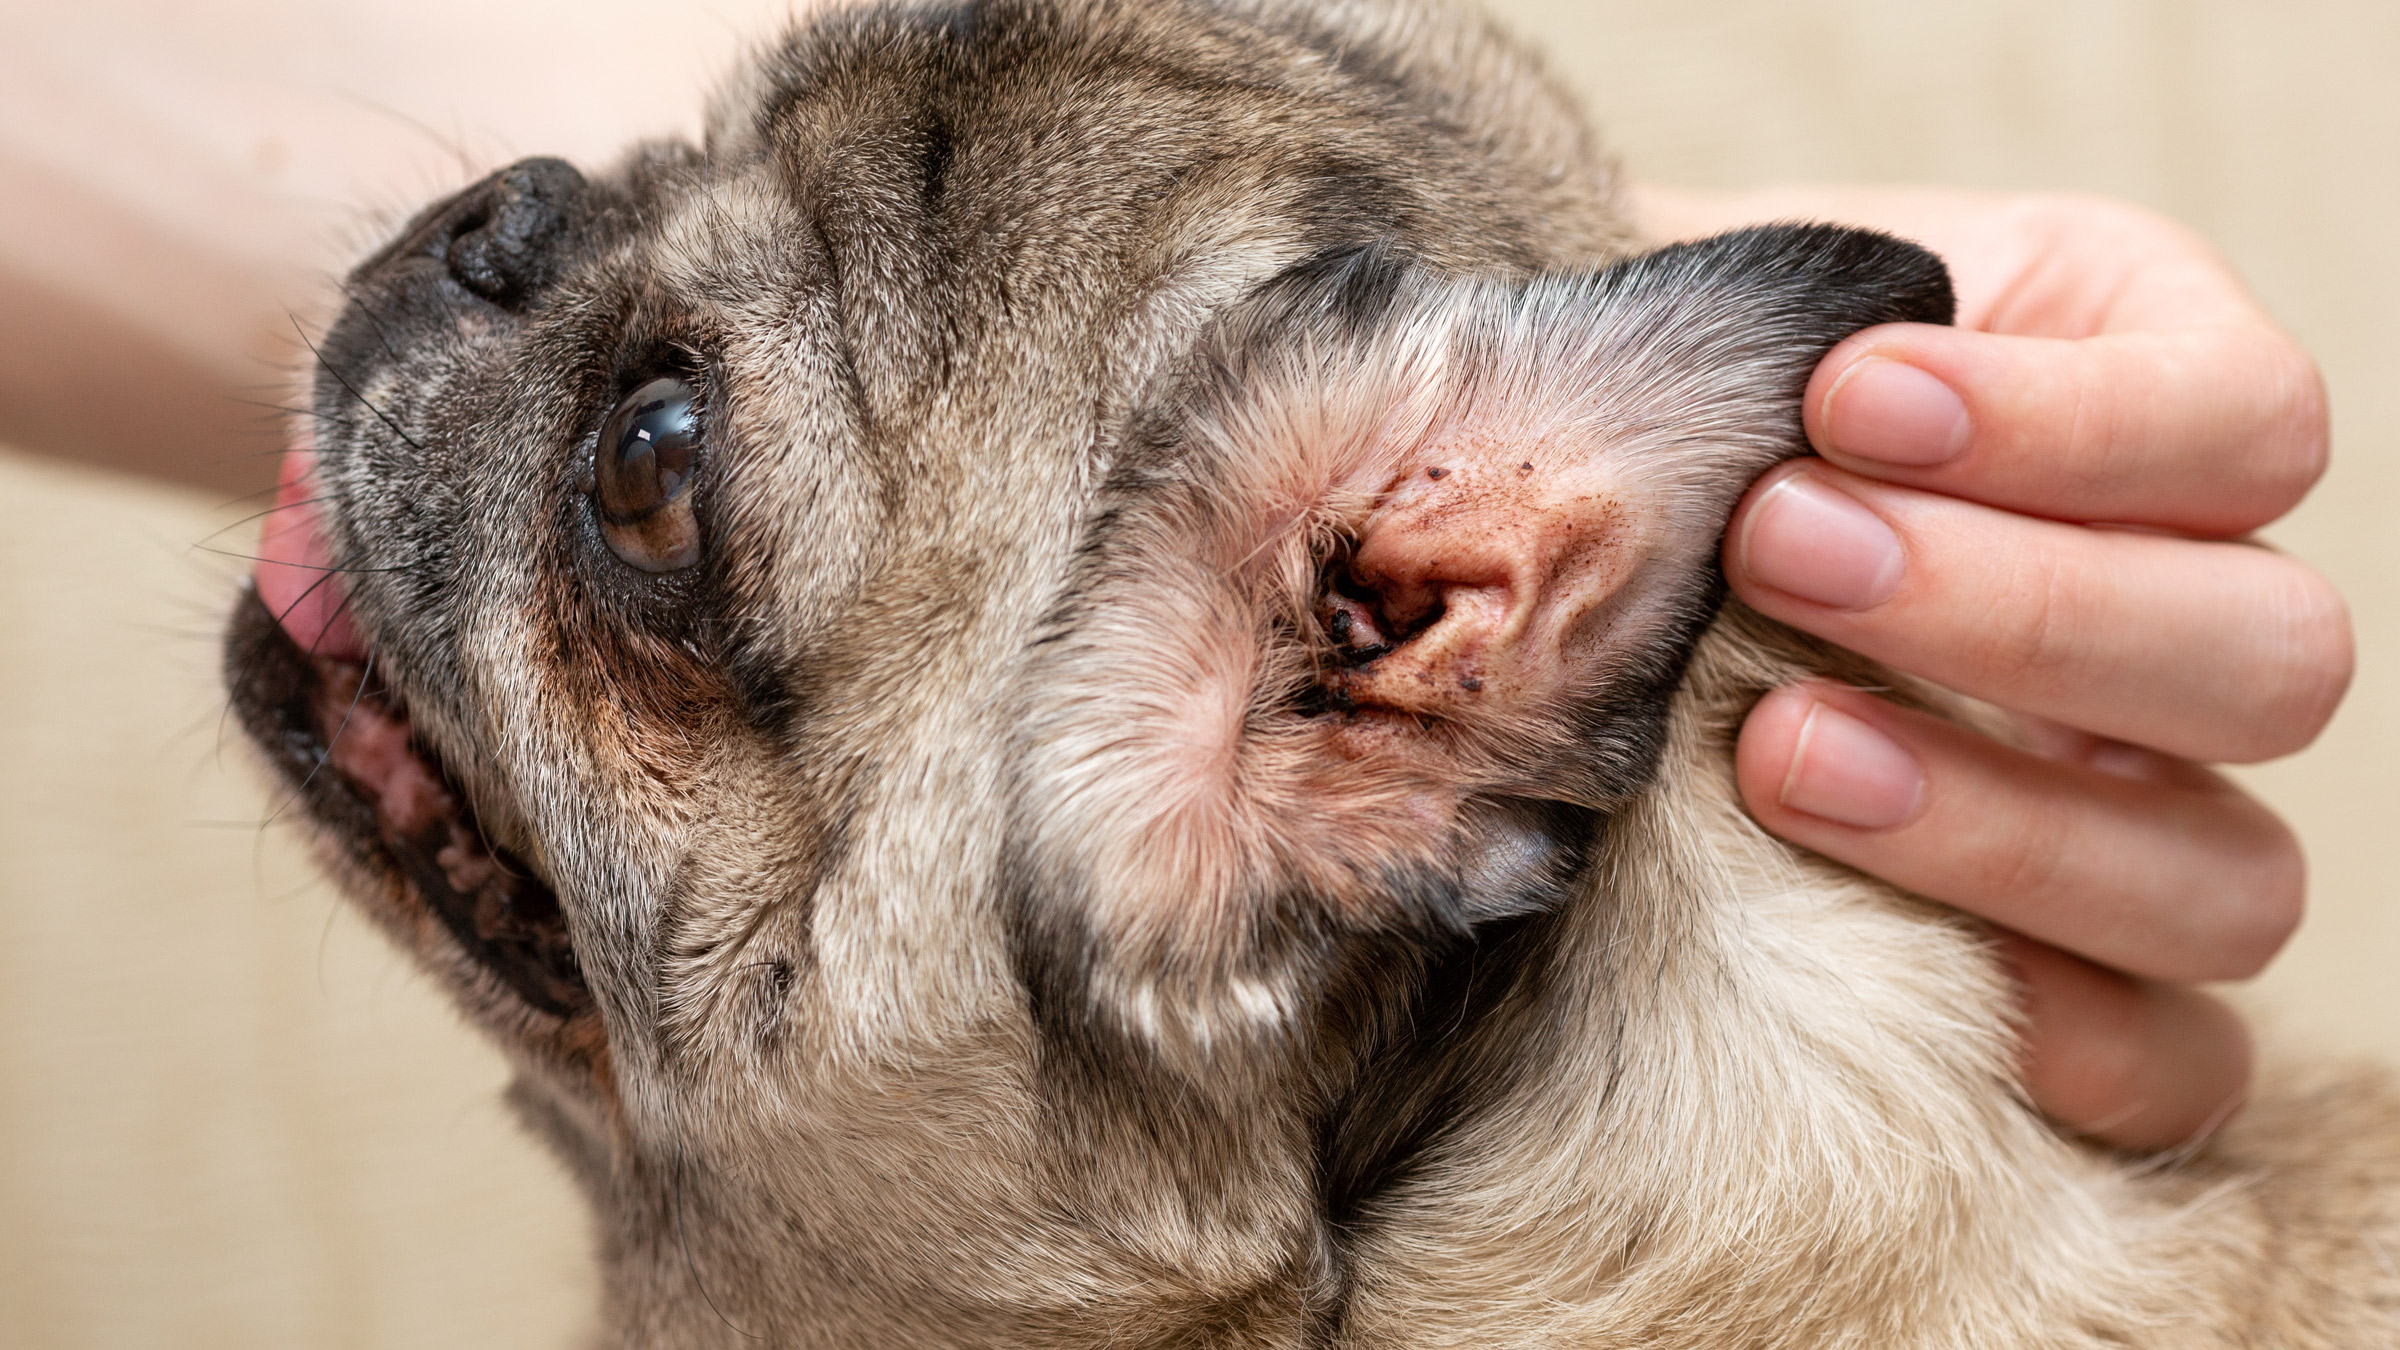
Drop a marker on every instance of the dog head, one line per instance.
(917, 664)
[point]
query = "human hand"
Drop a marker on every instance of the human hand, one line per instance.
(2107, 370)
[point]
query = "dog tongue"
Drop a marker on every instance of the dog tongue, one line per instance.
(295, 573)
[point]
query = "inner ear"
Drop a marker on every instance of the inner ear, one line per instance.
(1547, 529)
(1471, 582)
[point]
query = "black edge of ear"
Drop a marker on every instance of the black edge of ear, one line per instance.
(1827, 281)
(1353, 285)
(1832, 280)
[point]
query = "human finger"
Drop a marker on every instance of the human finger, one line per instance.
(2213, 430)
(2174, 875)
(2211, 651)
(2134, 1063)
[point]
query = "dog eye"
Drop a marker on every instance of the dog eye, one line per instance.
(642, 475)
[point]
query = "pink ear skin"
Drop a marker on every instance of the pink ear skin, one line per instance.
(1472, 576)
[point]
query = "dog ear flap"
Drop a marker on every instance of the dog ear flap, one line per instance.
(1545, 491)
(1405, 549)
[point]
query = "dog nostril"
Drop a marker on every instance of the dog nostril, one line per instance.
(504, 236)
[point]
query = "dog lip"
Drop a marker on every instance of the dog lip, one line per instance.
(343, 741)
(296, 577)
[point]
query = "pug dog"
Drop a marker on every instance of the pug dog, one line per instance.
(1069, 689)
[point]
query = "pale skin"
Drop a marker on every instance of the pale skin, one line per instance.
(2047, 508)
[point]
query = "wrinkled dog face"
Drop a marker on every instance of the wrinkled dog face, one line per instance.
(1036, 576)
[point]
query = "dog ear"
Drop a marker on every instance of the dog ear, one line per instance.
(1409, 563)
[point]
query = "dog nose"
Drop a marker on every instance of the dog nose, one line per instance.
(500, 237)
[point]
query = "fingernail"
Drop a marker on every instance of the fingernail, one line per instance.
(1894, 412)
(1817, 542)
(1846, 771)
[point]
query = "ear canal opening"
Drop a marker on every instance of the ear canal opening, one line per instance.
(1365, 620)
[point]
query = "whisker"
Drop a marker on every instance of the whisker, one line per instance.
(268, 405)
(285, 562)
(324, 944)
(344, 381)
(224, 717)
(493, 851)
(453, 142)
(256, 515)
(325, 756)
(383, 336)
(339, 609)
(250, 496)
(285, 617)
(692, 1266)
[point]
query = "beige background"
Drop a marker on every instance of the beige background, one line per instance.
(229, 1117)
